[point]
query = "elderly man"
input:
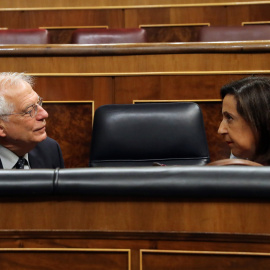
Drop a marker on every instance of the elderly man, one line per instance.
(23, 139)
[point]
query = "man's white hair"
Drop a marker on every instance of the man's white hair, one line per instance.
(7, 80)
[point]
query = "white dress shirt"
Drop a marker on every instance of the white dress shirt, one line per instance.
(9, 159)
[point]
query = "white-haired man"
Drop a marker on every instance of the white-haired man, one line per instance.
(23, 139)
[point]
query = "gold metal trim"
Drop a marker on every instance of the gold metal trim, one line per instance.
(258, 22)
(128, 251)
(73, 27)
(118, 74)
(69, 101)
(67, 249)
(200, 252)
(173, 25)
(73, 102)
(139, 6)
(237, 253)
(176, 100)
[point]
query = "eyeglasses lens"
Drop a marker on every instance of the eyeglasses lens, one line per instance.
(33, 111)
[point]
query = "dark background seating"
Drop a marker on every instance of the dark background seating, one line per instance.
(24, 36)
(106, 36)
(235, 33)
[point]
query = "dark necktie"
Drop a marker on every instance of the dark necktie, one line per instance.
(20, 163)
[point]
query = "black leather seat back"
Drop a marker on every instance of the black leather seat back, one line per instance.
(140, 134)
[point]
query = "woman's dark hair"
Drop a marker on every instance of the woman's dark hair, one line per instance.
(252, 95)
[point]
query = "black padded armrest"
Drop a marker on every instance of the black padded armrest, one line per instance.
(189, 182)
(26, 182)
(177, 182)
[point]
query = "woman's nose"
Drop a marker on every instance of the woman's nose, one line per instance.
(222, 128)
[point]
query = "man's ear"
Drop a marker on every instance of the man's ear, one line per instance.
(2, 129)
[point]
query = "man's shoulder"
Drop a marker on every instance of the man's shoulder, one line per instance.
(46, 154)
(48, 141)
(48, 145)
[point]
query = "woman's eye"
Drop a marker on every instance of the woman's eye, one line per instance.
(229, 118)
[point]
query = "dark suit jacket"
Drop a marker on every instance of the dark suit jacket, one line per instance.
(46, 155)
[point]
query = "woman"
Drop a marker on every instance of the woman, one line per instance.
(246, 118)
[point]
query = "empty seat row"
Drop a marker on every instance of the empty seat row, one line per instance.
(234, 33)
(79, 36)
(133, 35)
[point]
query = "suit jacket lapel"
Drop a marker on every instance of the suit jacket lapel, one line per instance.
(35, 161)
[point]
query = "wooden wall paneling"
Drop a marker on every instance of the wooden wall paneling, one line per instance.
(137, 17)
(193, 86)
(138, 250)
(131, 215)
(172, 87)
(215, 15)
(46, 18)
(118, 17)
(149, 64)
(108, 3)
(62, 259)
(75, 88)
(135, 241)
(199, 260)
(262, 16)
(70, 124)
(173, 33)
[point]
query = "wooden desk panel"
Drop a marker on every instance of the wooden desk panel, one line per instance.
(141, 234)
(156, 64)
(63, 259)
(108, 4)
(198, 260)
(127, 215)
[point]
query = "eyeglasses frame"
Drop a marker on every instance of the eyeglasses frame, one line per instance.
(33, 107)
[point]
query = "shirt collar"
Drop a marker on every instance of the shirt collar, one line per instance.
(9, 159)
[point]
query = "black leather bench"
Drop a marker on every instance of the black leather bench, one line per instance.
(187, 182)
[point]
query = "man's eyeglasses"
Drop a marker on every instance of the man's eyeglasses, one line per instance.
(31, 110)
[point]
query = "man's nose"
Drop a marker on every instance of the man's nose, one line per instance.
(42, 113)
